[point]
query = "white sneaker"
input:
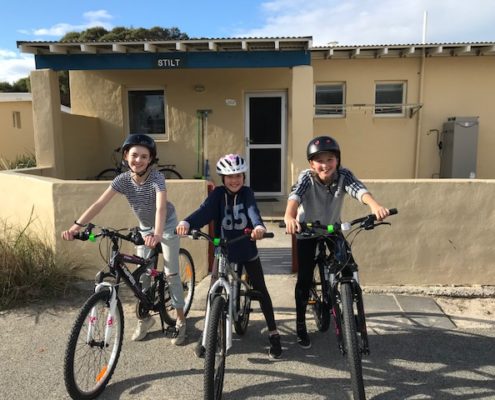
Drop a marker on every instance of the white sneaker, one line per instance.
(142, 328)
(181, 334)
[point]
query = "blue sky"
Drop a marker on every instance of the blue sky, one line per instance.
(347, 22)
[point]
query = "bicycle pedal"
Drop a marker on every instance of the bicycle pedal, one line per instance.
(171, 331)
(253, 294)
(312, 302)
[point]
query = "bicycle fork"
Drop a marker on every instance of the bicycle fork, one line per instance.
(110, 316)
(220, 283)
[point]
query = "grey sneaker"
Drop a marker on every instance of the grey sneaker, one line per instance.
(142, 328)
(199, 350)
(181, 334)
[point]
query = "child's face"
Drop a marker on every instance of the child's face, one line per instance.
(325, 165)
(233, 182)
(138, 158)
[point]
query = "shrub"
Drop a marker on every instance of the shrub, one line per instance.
(23, 161)
(29, 269)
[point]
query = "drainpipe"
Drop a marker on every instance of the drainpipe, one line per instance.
(419, 121)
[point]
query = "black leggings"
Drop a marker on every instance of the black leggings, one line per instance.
(257, 278)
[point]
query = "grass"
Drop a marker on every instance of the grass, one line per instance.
(29, 269)
(27, 160)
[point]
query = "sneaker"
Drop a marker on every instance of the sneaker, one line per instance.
(180, 337)
(199, 349)
(303, 337)
(142, 328)
(275, 346)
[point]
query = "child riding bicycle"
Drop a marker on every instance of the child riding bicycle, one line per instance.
(318, 195)
(232, 208)
(145, 190)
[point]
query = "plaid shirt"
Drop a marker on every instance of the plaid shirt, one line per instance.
(320, 202)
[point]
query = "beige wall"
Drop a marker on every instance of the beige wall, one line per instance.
(225, 123)
(16, 140)
(432, 241)
(384, 147)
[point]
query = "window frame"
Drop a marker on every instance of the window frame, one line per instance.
(400, 107)
(162, 137)
(339, 109)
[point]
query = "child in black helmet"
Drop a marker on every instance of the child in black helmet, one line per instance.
(318, 195)
(145, 190)
(232, 208)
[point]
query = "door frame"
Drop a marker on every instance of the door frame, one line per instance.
(283, 136)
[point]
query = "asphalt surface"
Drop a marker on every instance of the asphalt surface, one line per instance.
(416, 352)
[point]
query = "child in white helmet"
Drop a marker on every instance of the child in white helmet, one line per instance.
(232, 208)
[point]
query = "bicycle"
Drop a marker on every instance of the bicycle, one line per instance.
(168, 170)
(228, 303)
(95, 340)
(336, 291)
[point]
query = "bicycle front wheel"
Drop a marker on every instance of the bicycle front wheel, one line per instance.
(90, 360)
(187, 277)
(107, 174)
(351, 341)
(215, 350)
(170, 173)
(318, 299)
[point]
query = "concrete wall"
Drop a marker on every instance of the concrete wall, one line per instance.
(442, 234)
(16, 140)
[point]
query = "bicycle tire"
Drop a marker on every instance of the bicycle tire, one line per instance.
(187, 277)
(318, 296)
(215, 350)
(170, 173)
(353, 353)
(89, 367)
(107, 174)
(244, 310)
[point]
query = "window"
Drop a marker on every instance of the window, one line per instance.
(16, 119)
(329, 99)
(147, 112)
(390, 99)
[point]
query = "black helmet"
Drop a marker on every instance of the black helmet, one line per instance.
(320, 144)
(140, 140)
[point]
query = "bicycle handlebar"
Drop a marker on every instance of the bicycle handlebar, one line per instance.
(367, 222)
(195, 234)
(134, 236)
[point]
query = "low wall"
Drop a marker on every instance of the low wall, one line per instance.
(442, 235)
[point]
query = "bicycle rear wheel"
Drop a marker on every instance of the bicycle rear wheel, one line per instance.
(187, 277)
(107, 174)
(318, 299)
(90, 360)
(351, 341)
(215, 350)
(243, 309)
(170, 173)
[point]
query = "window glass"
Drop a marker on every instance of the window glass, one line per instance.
(146, 111)
(329, 99)
(389, 98)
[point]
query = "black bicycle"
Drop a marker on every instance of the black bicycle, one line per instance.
(336, 291)
(95, 341)
(168, 170)
(228, 303)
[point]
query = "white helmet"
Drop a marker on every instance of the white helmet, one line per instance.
(231, 164)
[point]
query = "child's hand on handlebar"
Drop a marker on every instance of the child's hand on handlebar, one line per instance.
(257, 233)
(380, 212)
(152, 240)
(291, 225)
(182, 229)
(69, 234)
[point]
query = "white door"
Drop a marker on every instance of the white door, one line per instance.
(266, 130)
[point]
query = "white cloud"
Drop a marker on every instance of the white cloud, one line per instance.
(378, 21)
(93, 18)
(14, 66)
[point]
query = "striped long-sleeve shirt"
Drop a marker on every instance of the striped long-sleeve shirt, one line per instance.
(320, 202)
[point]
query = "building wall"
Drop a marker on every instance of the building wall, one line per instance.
(16, 140)
(430, 242)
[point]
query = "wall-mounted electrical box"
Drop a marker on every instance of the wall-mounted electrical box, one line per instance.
(459, 147)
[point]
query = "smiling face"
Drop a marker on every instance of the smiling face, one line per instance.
(325, 165)
(138, 158)
(234, 182)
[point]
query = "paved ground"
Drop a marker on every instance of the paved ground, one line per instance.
(416, 352)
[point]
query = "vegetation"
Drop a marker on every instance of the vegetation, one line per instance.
(29, 269)
(23, 85)
(120, 33)
(23, 161)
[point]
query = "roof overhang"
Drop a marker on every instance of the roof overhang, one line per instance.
(192, 53)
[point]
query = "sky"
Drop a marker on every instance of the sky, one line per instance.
(342, 22)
